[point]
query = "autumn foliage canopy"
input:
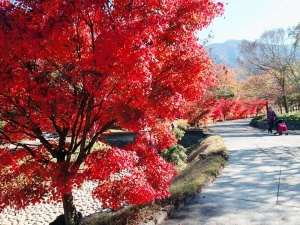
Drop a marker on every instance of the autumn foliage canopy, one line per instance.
(228, 98)
(76, 67)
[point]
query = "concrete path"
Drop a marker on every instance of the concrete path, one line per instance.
(261, 184)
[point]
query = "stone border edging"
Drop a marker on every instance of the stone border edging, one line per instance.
(264, 125)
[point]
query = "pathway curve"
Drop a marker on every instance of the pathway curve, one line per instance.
(261, 184)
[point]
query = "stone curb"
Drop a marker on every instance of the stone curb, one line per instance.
(264, 125)
(169, 210)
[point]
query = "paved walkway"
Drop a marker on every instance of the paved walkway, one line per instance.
(261, 184)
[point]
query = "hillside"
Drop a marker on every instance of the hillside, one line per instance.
(226, 52)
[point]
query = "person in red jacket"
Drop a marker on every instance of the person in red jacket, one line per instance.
(271, 116)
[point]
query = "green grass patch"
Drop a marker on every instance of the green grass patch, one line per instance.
(210, 145)
(189, 180)
(260, 118)
(193, 174)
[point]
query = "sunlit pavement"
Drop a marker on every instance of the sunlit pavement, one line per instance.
(261, 184)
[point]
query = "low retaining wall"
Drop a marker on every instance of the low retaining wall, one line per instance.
(264, 125)
(120, 139)
(191, 137)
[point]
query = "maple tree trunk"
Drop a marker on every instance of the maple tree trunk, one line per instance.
(70, 213)
(285, 104)
(71, 216)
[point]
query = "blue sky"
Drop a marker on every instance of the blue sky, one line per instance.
(248, 19)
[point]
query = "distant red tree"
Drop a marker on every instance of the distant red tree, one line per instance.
(77, 68)
(225, 85)
(217, 112)
(201, 110)
(244, 108)
(226, 107)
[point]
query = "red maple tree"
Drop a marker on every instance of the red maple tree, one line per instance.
(224, 107)
(243, 109)
(76, 67)
(201, 110)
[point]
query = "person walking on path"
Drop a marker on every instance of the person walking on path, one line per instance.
(271, 116)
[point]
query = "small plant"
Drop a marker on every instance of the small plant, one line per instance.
(178, 133)
(260, 118)
(293, 117)
(174, 154)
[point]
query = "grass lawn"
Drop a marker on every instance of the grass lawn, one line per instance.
(196, 170)
(191, 175)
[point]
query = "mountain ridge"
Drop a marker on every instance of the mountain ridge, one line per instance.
(226, 52)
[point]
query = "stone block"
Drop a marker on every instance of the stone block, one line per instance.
(159, 217)
(170, 209)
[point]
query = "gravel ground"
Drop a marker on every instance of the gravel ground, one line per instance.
(43, 214)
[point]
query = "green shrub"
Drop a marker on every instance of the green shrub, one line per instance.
(174, 154)
(260, 118)
(291, 117)
(294, 117)
(178, 133)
